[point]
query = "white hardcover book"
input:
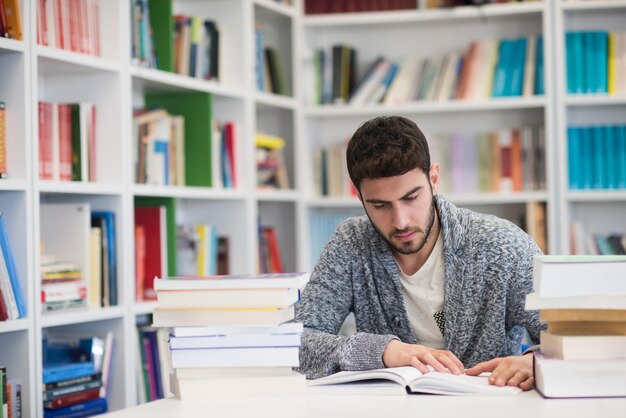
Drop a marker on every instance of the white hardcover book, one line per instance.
(235, 341)
(568, 276)
(232, 372)
(535, 302)
(228, 298)
(235, 281)
(236, 357)
(583, 347)
(205, 317)
(286, 328)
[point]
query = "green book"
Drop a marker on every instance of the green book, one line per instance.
(170, 205)
(162, 24)
(76, 143)
(196, 108)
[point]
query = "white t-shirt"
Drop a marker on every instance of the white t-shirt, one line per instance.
(423, 298)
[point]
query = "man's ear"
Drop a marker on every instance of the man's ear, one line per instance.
(433, 177)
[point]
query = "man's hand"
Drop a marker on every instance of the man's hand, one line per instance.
(511, 371)
(398, 354)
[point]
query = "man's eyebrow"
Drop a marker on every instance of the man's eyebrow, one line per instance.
(409, 193)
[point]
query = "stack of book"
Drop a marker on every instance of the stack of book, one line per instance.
(231, 335)
(583, 300)
(76, 375)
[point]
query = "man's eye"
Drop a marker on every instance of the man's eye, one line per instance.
(378, 205)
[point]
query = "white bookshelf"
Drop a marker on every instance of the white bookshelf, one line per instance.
(32, 73)
(600, 211)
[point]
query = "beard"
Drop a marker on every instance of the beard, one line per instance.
(409, 247)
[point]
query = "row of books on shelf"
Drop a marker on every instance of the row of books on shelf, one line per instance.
(270, 71)
(354, 6)
(78, 273)
(72, 25)
(10, 20)
(597, 157)
(10, 395)
(76, 374)
(586, 335)
(172, 151)
(585, 243)
(596, 62)
(67, 141)
(488, 68)
(12, 302)
(223, 329)
(196, 47)
(509, 160)
(270, 162)
(442, 4)
(270, 259)
(331, 172)
(3, 141)
(153, 363)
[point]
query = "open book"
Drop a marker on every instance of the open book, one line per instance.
(416, 382)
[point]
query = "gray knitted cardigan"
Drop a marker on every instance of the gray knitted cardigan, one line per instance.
(488, 272)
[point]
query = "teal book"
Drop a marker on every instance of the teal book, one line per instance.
(611, 157)
(587, 160)
(620, 143)
(573, 155)
(599, 158)
(579, 71)
(569, 62)
(539, 76)
(601, 59)
(591, 66)
(196, 108)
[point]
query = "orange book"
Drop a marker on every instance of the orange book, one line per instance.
(14, 22)
(516, 161)
(465, 73)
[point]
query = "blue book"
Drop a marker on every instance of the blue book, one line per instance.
(539, 77)
(601, 59)
(227, 177)
(14, 278)
(214, 245)
(599, 155)
(578, 63)
(85, 409)
(611, 157)
(573, 155)
(569, 62)
(620, 143)
(518, 79)
(108, 218)
(57, 373)
(591, 66)
(587, 160)
(163, 147)
(259, 37)
(499, 78)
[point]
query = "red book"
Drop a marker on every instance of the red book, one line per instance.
(152, 219)
(140, 261)
(65, 142)
(45, 142)
(4, 314)
(230, 149)
(95, 31)
(72, 399)
(275, 261)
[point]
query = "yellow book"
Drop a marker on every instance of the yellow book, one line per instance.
(95, 267)
(612, 63)
(202, 249)
(14, 22)
(269, 141)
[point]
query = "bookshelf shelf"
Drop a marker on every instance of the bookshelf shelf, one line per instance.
(75, 187)
(143, 308)
(188, 192)
(81, 316)
(417, 16)
(15, 325)
(57, 61)
(149, 80)
(6, 185)
(11, 45)
(593, 5)
(279, 8)
(275, 195)
(497, 198)
(425, 107)
(597, 196)
(594, 100)
(270, 100)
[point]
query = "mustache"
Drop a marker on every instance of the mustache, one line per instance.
(405, 230)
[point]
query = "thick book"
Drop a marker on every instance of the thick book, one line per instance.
(534, 302)
(85, 409)
(556, 378)
(204, 317)
(234, 341)
(239, 281)
(583, 347)
(414, 381)
(236, 357)
(567, 276)
(211, 331)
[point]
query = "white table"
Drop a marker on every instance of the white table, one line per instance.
(326, 404)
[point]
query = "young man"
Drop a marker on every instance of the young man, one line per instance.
(429, 284)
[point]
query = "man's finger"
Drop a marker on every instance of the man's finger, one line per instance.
(450, 364)
(527, 384)
(419, 365)
(485, 366)
(429, 359)
(501, 374)
(517, 378)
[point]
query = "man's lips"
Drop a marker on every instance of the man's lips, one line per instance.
(405, 236)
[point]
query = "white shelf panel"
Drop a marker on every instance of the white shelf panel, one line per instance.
(426, 107)
(61, 61)
(593, 5)
(144, 308)
(270, 195)
(275, 100)
(14, 325)
(283, 9)
(158, 81)
(334, 202)
(496, 198)
(594, 100)
(76, 187)
(7, 44)
(188, 192)
(597, 196)
(414, 16)
(9, 184)
(80, 316)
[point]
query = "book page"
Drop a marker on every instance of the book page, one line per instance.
(449, 384)
(400, 375)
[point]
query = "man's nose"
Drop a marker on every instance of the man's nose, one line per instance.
(400, 218)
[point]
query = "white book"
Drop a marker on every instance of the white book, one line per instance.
(286, 328)
(233, 281)
(245, 317)
(239, 387)
(228, 298)
(568, 276)
(535, 302)
(234, 341)
(583, 347)
(232, 372)
(555, 378)
(415, 381)
(236, 357)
